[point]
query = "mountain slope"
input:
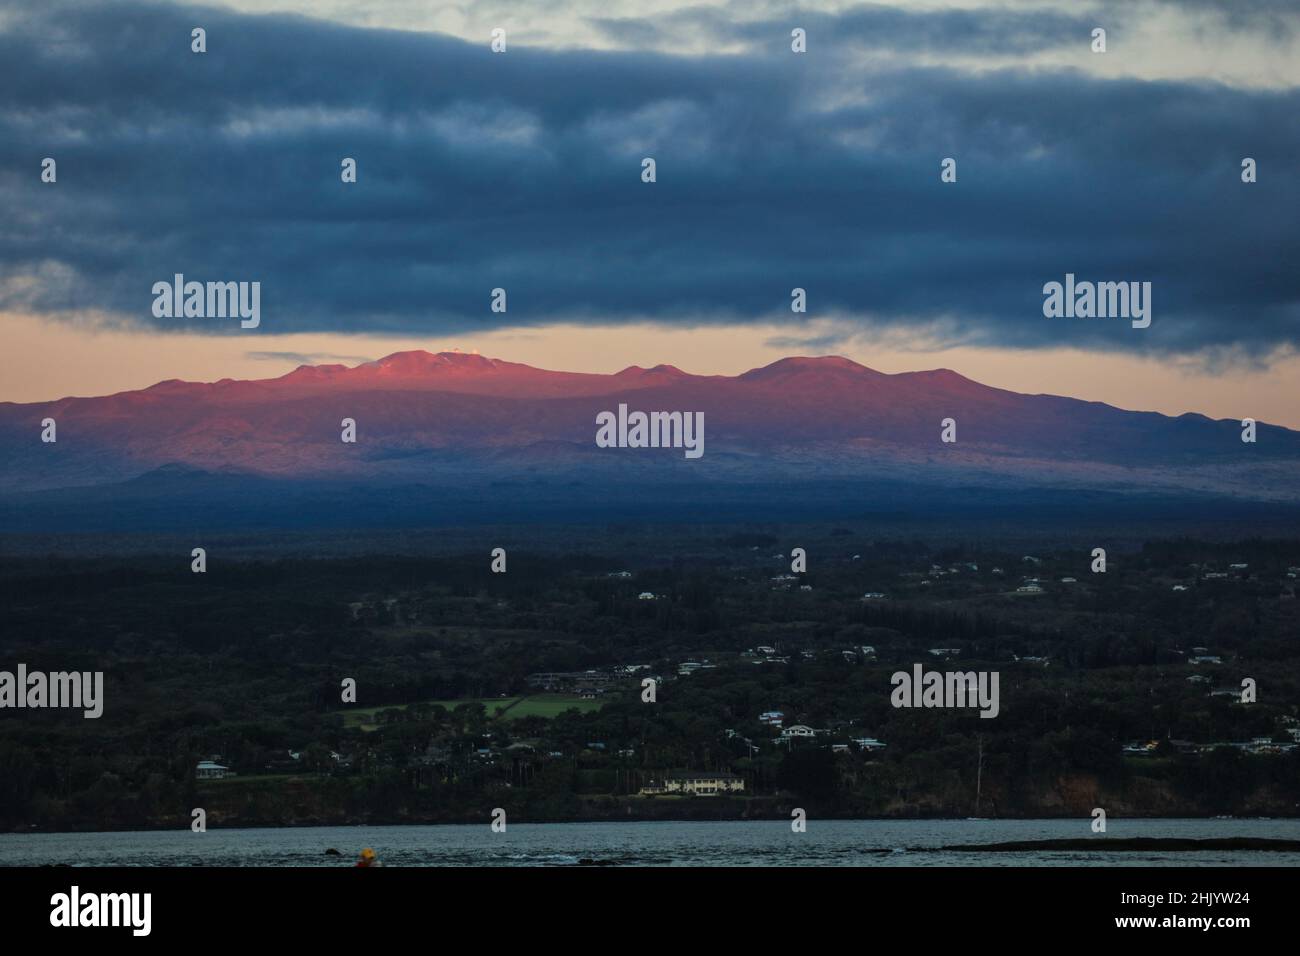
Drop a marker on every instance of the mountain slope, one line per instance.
(454, 418)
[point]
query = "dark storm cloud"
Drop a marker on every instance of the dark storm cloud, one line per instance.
(875, 26)
(522, 171)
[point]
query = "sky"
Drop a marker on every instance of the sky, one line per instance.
(522, 170)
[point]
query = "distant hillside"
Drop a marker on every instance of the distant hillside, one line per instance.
(463, 424)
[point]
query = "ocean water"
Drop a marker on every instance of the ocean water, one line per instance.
(738, 843)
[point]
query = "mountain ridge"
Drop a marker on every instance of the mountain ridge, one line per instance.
(456, 417)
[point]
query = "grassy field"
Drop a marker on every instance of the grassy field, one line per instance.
(498, 708)
(551, 705)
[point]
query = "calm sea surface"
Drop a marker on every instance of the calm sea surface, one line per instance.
(826, 843)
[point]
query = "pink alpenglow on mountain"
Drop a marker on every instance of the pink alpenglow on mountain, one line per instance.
(454, 418)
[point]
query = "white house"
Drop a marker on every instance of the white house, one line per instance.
(797, 730)
(210, 770)
(697, 783)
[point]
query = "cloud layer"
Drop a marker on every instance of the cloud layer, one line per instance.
(522, 170)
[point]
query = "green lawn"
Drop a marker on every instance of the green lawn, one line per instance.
(551, 705)
(501, 708)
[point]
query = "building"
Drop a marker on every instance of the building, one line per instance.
(796, 731)
(211, 770)
(697, 783)
(869, 743)
(1141, 748)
